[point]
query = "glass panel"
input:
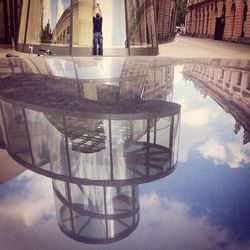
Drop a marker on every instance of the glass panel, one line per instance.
(119, 199)
(39, 132)
(116, 227)
(141, 23)
(176, 139)
(82, 23)
(129, 149)
(63, 215)
(89, 227)
(62, 68)
(113, 14)
(49, 22)
(60, 186)
(23, 21)
(16, 126)
(88, 198)
(88, 146)
(100, 69)
(57, 145)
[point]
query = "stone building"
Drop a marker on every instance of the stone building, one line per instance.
(219, 19)
(166, 18)
(228, 85)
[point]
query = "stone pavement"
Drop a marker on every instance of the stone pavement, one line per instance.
(188, 47)
(185, 47)
(7, 49)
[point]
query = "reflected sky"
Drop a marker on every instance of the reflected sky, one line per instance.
(204, 204)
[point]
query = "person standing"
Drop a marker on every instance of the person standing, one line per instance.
(97, 30)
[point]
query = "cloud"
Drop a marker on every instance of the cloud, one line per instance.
(168, 224)
(212, 148)
(35, 201)
(199, 116)
(165, 224)
(231, 153)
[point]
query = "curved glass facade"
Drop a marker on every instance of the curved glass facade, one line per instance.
(66, 27)
(99, 127)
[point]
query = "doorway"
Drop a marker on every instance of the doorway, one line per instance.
(219, 28)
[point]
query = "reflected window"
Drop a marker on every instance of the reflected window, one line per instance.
(49, 22)
(141, 23)
(248, 82)
(244, 21)
(240, 78)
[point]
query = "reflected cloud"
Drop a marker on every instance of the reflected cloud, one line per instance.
(231, 154)
(203, 208)
(199, 117)
(34, 202)
(169, 224)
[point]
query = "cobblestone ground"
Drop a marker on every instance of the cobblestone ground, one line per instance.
(185, 46)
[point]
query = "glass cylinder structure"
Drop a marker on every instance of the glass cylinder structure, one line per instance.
(66, 27)
(99, 128)
(94, 214)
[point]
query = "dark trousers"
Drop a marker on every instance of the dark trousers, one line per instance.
(98, 42)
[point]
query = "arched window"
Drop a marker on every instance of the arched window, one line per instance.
(232, 14)
(172, 21)
(207, 23)
(244, 20)
(203, 21)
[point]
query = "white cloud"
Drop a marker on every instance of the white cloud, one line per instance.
(212, 148)
(199, 116)
(168, 224)
(34, 202)
(232, 154)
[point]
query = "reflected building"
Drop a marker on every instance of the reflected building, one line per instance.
(228, 83)
(166, 19)
(97, 138)
(152, 78)
(131, 27)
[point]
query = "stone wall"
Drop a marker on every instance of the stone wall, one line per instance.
(202, 15)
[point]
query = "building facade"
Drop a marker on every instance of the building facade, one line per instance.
(228, 85)
(166, 19)
(130, 27)
(219, 19)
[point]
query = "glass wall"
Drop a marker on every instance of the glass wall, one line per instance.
(49, 22)
(69, 23)
(96, 214)
(82, 23)
(141, 23)
(114, 25)
(22, 28)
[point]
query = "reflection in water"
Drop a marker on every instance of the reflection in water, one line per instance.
(98, 136)
(98, 199)
(228, 84)
(96, 214)
(97, 143)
